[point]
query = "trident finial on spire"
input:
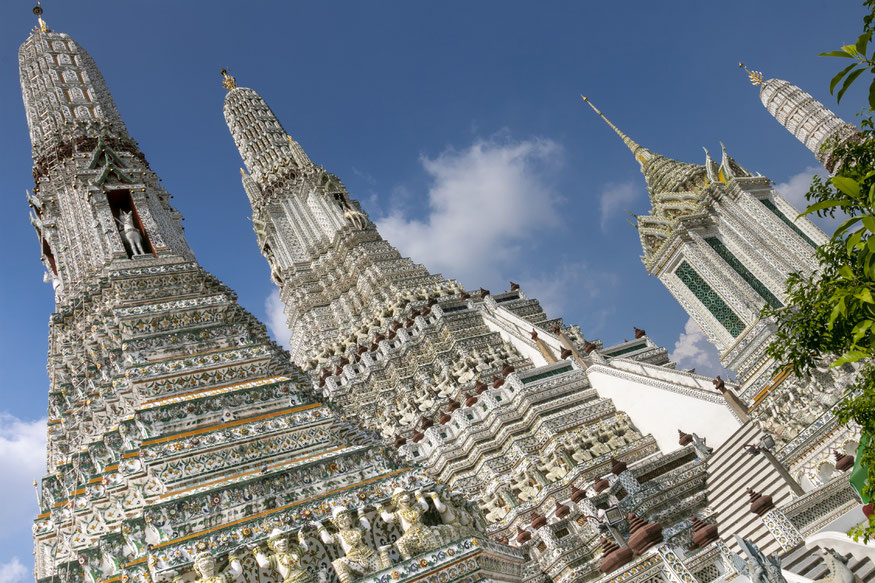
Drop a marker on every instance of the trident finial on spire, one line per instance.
(38, 10)
(641, 153)
(756, 77)
(228, 81)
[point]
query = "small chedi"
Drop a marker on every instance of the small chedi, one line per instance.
(418, 430)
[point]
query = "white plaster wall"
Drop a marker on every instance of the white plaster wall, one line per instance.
(662, 412)
(518, 342)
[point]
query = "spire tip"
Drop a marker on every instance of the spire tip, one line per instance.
(756, 77)
(38, 11)
(228, 81)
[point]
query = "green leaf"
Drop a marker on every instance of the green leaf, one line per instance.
(870, 265)
(865, 296)
(848, 186)
(819, 206)
(861, 329)
(836, 54)
(869, 223)
(848, 81)
(846, 272)
(838, 310)
(853, 240)
(849, 356)
(872, 95)
(837, 78)
(863, 42)
(845, 226)
(850, 49)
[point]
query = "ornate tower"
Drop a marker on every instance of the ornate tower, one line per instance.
(818, 128)
(180, 438)
(332, 267)
(723, 242)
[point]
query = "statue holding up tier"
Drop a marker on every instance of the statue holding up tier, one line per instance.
(360, 559)
(458, 519)
(205, 567)
(285, 557)
(417, 537)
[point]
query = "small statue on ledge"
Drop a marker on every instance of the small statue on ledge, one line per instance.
(417, 537)
(360, 559)
(205, 567)
(285, 558)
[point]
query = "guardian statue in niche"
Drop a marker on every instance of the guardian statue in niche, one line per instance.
(132, 233)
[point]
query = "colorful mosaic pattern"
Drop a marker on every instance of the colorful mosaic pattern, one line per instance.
(710, 299)
(739, 267)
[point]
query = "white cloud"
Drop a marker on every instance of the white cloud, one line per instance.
(485, 203)
(692, 350)
(276, 320)
(23, 460)
(572, 284)
(13, 571)
(794, 189)
(615, 197)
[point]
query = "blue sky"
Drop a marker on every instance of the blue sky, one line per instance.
(458, 126)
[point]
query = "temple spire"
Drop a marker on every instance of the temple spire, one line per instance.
(642, 154)
(813, 124)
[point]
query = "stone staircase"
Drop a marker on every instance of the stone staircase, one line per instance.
(731, 470)
(808, 563)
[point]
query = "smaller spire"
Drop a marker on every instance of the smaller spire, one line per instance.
(756, 77)
(228, 81)
(641, 153)
(42, 26)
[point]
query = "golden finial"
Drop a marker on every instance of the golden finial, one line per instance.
(756, 78)
(43, 27)
(242, 172)
(228, 82)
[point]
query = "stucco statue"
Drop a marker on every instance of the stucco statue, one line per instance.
(356, 218)
(132, 233)
(702, 449)
(205, 567)
(496, 508)
(838, 569)
(285, 557)
(554, 467)
(756, 566)
(456, 514)
(417, 537)
(360, 559)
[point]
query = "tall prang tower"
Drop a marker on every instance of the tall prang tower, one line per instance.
(182, 443)
(723, 242)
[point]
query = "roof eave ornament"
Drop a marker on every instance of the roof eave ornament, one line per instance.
(228, 81)
(41, 24)
(756, 77)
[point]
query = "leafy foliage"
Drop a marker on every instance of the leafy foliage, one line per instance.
(830, 315)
